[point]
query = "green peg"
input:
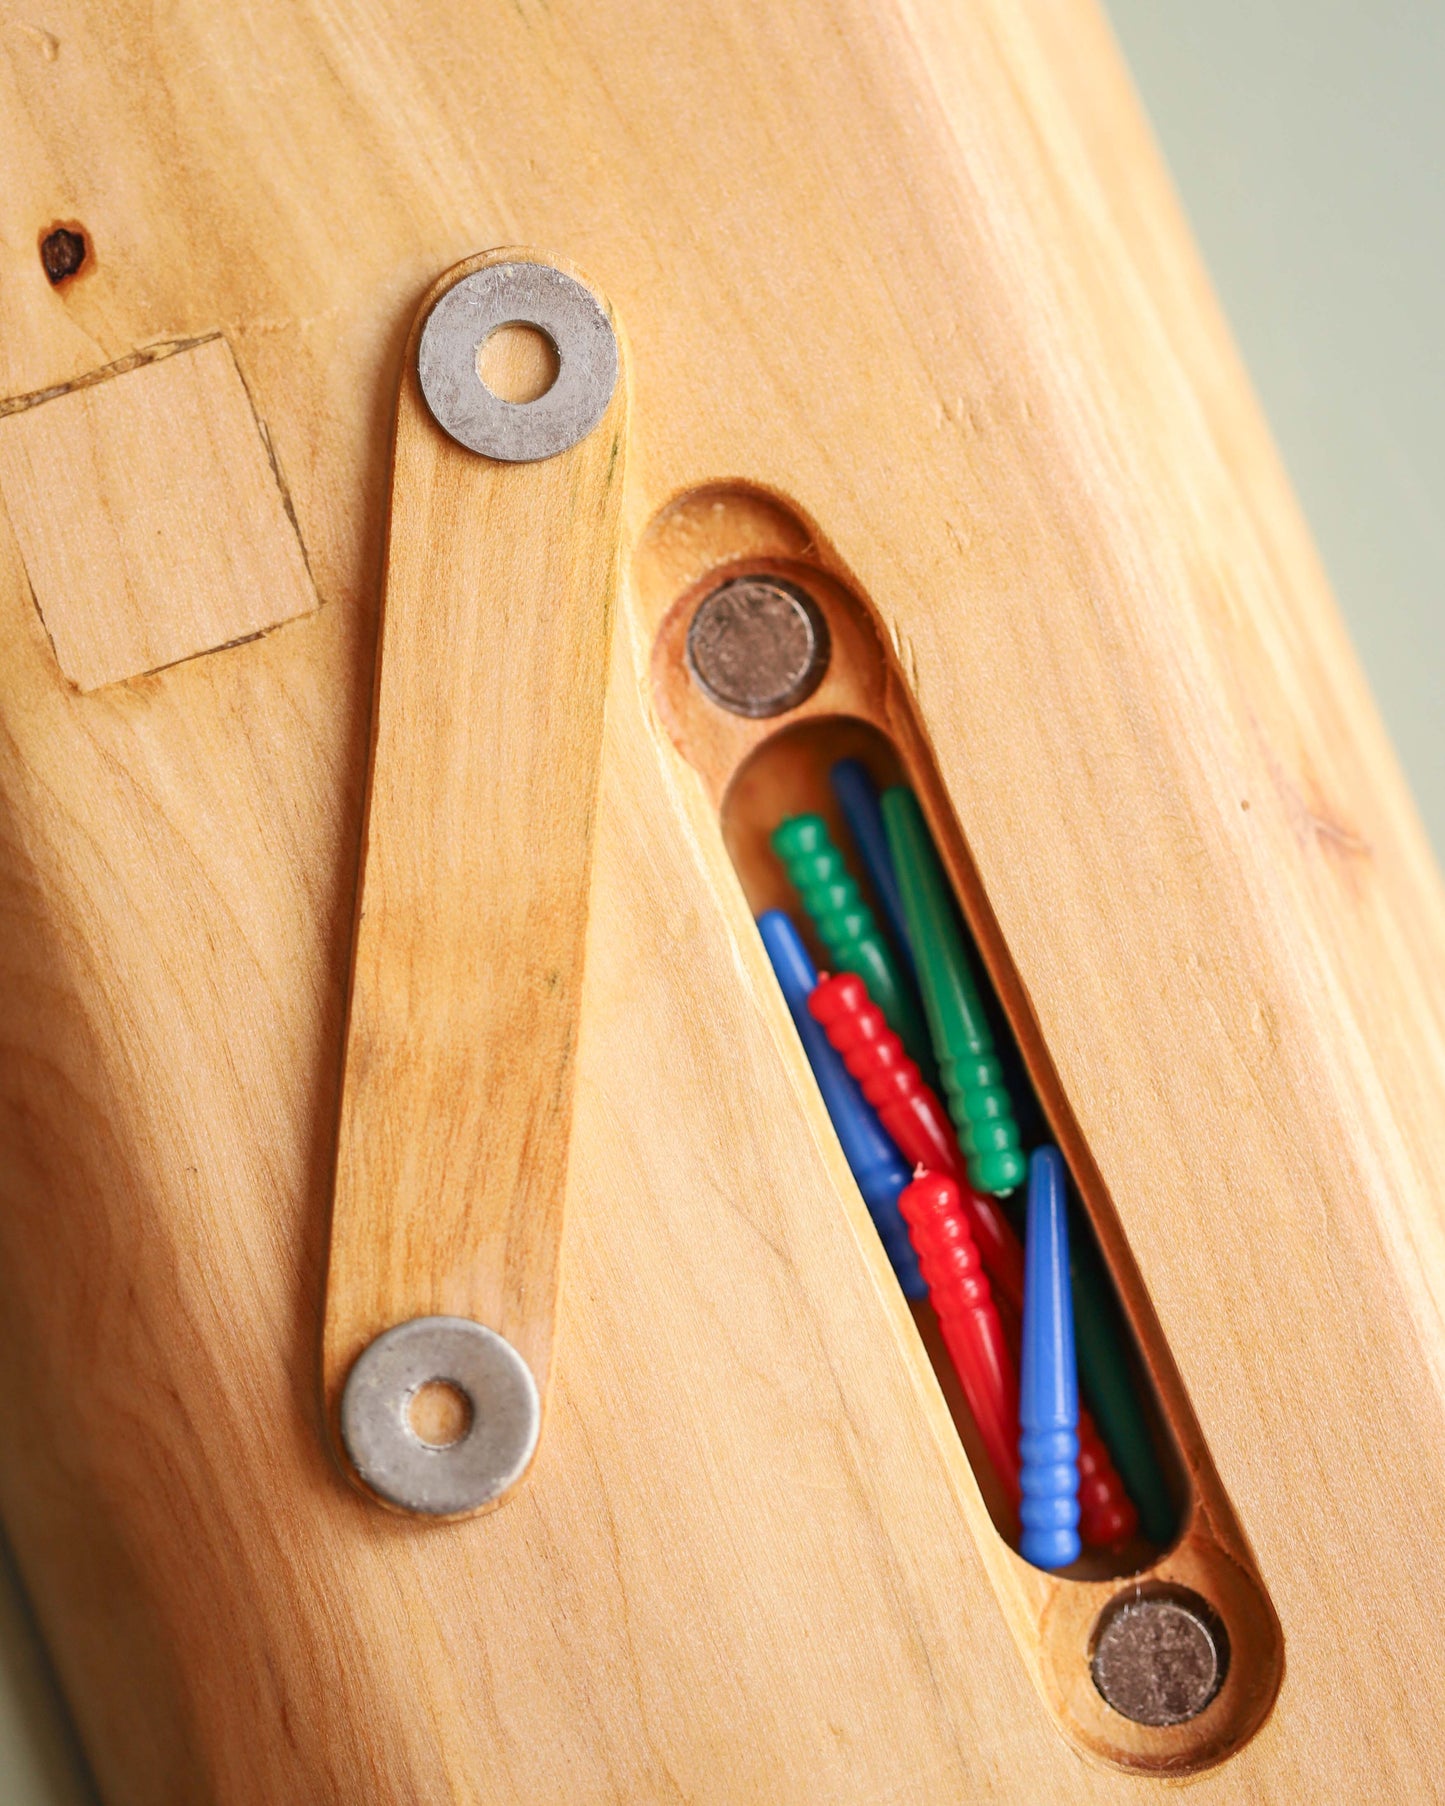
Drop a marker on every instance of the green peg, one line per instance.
(1108, 1388)
(847, 927)
(978, 1100)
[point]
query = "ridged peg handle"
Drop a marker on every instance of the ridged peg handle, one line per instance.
(913, 1115)
(1108, 1517)
(846, 926)
(959, 1291)
(978, 1099)
(877, 1169)
(1049, 1388)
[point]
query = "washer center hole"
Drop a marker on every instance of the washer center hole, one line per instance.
(439, 1414)
(518, 362)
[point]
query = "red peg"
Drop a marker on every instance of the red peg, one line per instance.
(1108, 1517)
(959, 1291)
(915, 1118)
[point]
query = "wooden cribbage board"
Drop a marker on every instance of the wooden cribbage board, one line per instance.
(915, 273)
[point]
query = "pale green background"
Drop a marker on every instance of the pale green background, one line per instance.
(1308, 139)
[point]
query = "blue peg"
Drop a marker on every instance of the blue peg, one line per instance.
(878, 1169)
(857, 796)
(1048, 1382)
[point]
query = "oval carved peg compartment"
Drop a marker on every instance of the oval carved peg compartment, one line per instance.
(1115, 1643)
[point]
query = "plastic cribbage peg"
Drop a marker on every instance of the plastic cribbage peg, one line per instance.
(913, 1115)
(919, 1125)
(877, 1169)
(847, 926)
(972, 1077)
(1108, 1517)
(857, 796)
(1048, 1386)
(1107, 1381)
(959, 1291)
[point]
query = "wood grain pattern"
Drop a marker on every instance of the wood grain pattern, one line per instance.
(921, 275)
(149, 515)
(466, 986)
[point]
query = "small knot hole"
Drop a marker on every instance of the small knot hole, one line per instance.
(62, 252)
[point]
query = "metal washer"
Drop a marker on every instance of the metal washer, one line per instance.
(528, 294)
(493, 1452)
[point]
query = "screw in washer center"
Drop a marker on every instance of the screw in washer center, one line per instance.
(758, 646)
(1159, 1659)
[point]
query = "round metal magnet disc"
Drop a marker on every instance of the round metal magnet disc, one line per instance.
(528, 294)
(1159, 1659)
(491, 1454)
(758, 646)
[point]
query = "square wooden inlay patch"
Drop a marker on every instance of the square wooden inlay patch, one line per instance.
(149, 517)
